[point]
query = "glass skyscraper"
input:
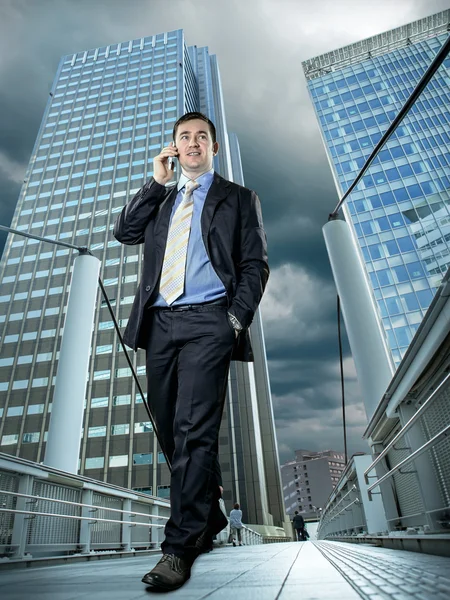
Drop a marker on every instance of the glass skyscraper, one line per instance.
(400, 212)
(109, 113)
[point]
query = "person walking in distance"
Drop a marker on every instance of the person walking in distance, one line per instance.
(299, 526)
(236, 524)
(204, 273)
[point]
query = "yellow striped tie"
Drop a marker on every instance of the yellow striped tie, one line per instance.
(174, 266)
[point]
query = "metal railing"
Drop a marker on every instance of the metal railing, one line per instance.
(425, 406)
(343, 513)
(36, 526)
(49, 524)
(432, 442)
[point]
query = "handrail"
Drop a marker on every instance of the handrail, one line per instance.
(410, 458)
(43, 514)
(405, 428)
(69, 502)
(355, 501)
(83, 250)
(352, 489)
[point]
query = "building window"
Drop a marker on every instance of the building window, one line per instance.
(97, 431)
(8, 440)
(103, 349)
(143, 459)
(144, 490)
(15, 411)
(29, 438)
(102, 374)
(118, 461)
(161, 458)
(97, 402)
(145, 427)
(122, 429)
(123, 372)
(95, 462)
(35, 409)
(25, 360)
(22, 384)
(123, 399)
(163, 491)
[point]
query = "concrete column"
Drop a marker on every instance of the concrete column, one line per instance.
(64, 435)
(373, 364)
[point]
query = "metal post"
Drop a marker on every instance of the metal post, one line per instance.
(126, 527)
(374, 368)
(87, 497)
(20, 526)
(426, 476)
(64, 435)
(373, 510)
(156, 533)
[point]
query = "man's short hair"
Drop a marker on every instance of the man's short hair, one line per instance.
(236, 506)
(296, 512)
(190, 116)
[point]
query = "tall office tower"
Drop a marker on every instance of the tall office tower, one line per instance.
(309, 480)
(399, 214)
(109, 112)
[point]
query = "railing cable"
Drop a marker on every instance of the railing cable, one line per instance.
(341, 365)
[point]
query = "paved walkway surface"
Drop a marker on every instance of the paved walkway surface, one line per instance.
(300, 571)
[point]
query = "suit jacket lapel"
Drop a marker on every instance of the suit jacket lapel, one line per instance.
(219, 190)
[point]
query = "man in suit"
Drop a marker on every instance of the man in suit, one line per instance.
(204, 274)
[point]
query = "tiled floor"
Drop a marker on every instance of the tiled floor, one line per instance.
(300, 571)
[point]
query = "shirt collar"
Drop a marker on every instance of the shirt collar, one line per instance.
(204, 179)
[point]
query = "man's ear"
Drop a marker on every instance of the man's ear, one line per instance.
(215, 148)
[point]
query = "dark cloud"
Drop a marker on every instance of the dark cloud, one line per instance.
(260, 45)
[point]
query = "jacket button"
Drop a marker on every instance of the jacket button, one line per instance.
(147, 289)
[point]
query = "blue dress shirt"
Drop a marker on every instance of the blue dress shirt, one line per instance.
(201, 283)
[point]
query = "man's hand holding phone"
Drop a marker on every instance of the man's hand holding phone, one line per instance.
(163, 164)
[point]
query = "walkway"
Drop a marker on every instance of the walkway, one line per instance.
(300, 571)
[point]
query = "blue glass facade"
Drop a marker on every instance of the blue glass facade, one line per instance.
(399, 213)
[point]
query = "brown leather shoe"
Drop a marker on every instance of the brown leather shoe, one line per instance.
(169, 574)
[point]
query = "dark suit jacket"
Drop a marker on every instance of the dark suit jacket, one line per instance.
(234, 239)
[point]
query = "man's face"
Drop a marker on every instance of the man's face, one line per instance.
(195, 146)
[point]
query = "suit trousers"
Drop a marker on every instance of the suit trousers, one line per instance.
(188, 360)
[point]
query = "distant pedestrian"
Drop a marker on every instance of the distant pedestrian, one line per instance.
(236, 524)
(299, 525)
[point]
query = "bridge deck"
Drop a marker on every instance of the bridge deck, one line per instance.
(300, 571)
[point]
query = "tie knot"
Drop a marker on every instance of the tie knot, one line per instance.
(190, 186)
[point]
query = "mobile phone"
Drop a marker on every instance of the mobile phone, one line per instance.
(171, 163)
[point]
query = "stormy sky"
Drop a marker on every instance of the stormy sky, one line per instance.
(260, 45)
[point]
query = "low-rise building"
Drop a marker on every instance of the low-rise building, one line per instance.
(309, 479)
